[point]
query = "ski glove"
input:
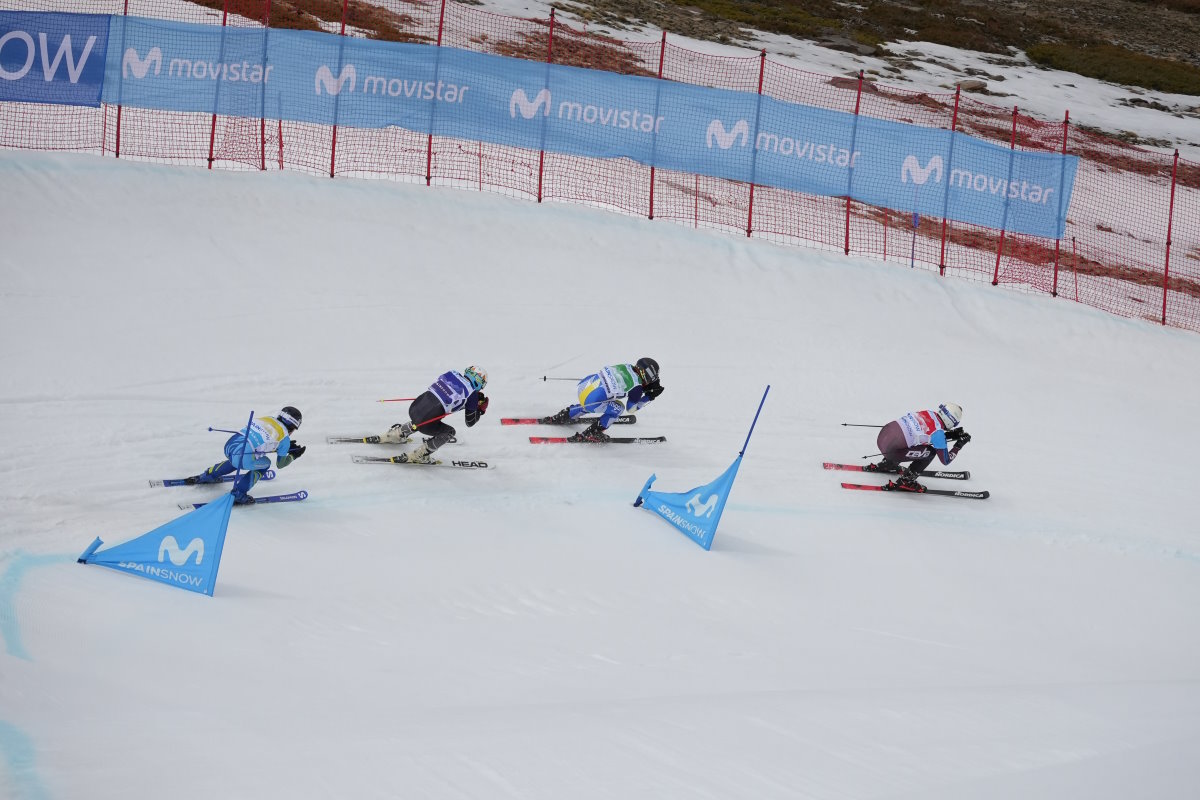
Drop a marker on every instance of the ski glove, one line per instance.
(654, 389)
(483, 403)
(296, 450)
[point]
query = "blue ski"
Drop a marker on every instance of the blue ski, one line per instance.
(266, 476)
(294, 497)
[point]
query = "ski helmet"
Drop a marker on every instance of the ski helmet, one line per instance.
(477, 376)
(291, 417)
(950, 415)
(647, 370)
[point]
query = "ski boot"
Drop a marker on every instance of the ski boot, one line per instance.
(882, 466)
(561, 418)
(397, 434)
(907, 482)
(420, 455)
(593, 433)
(243, 500)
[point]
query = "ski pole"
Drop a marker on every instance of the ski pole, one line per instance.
(545, 378)
(435, 419)
(859, 425)
(395, 399)
(873, 455)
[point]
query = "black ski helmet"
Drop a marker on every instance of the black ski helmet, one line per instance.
(647, 369)
(291, 418)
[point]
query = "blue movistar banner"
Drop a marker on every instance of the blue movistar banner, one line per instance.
(325, 79)
(52, 58)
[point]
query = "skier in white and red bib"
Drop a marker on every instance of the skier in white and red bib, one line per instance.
(916, 438)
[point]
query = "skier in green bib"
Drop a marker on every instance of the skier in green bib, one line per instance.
(609, 392)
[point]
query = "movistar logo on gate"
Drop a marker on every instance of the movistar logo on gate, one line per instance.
(912, 170)
(378, 84)
(774, 142)
(332, 85)
(169, 548)
(716, 134)
(704, 509)
(528, 109)
(578, 111)
(978, 181)
(134, 65)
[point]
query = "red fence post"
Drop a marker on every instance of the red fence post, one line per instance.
(429, 144)
(1170, 222)
(1000, 250)
(212, 133)
(262, 131)
(549, 60)
(1057, 242)
(333, 144)
(953, 129)
(1075, 267)
(762, 66)
(117, 150)
(857, 103)
(662, 54)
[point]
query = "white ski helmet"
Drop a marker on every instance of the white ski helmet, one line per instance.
(950, 414)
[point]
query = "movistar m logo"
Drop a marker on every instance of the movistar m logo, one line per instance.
(17, 40)
(725, 139)
(577, 111)
(333, 85)
(704, 509)
(520, 102)
(170, 548)
(981, 182)
(912, 170)
(131, 62)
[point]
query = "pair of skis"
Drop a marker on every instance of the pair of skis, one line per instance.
(294, 497)
(624, 419)
(191, 481)
(402, 459)
(266, 476)
(888, 487)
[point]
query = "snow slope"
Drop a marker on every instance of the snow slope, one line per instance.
(524, 632)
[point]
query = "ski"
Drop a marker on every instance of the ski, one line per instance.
(612, 440)
(371, 440)
(928, 473)
(294, 497)
(624, 419)
(458, 462)
(943, 492)
(266, 476)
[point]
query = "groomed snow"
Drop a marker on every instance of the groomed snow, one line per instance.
(525, 632)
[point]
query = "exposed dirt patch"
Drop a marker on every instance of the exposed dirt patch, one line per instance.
(1153, 29)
